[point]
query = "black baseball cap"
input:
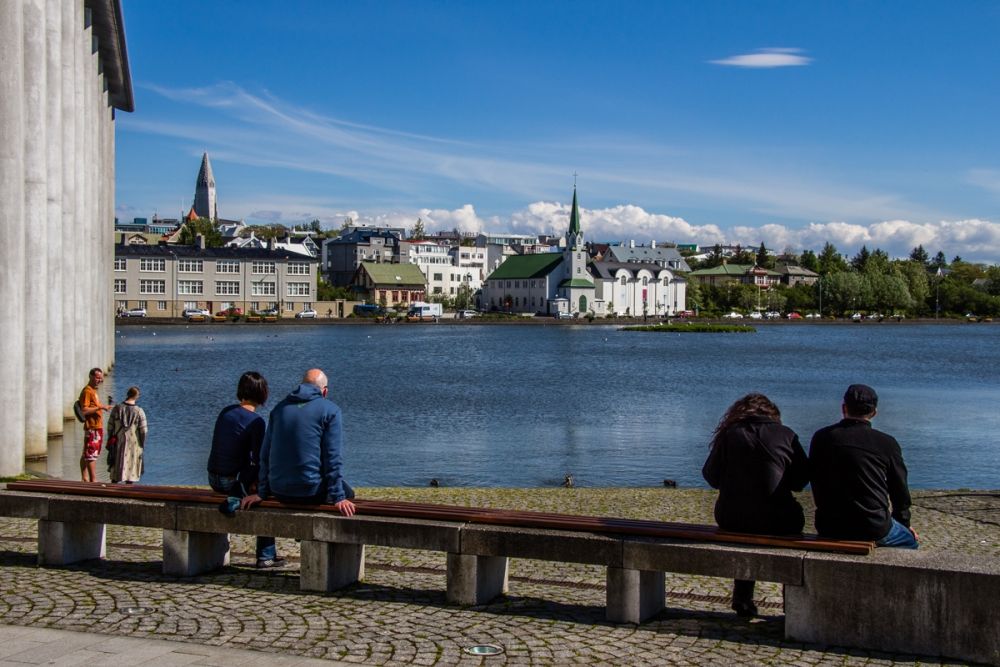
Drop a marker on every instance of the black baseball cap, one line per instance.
(861, 398)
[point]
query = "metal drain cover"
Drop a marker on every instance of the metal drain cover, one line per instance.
(484, 649)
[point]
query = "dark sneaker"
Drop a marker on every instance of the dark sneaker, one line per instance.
(743, 608)
(277, 561)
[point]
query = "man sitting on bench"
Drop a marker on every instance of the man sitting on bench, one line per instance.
(300, 459)
(856, 471)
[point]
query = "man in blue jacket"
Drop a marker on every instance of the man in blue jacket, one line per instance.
(300, 460)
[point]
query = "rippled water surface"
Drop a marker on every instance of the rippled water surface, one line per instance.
(527, 405)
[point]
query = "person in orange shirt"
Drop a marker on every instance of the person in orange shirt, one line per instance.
(93, 425)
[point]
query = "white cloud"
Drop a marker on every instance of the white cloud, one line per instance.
(988, 179)
(766, 58)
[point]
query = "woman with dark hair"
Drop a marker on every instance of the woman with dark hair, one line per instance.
(126, 439)
(756, 463)
(235, 456)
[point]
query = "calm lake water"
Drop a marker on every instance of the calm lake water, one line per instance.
(526, 405)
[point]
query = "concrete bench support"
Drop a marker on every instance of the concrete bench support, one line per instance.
(330, 566)
(62, 543)
(188, 553)
(634, 595)
(475, 580)
(899, 601)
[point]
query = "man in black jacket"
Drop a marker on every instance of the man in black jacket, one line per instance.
(856, 473)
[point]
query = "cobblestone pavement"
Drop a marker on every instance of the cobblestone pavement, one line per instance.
(553, 614)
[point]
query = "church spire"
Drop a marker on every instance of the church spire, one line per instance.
(205, 204)
(574, 216)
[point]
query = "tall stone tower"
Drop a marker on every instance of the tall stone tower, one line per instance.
(205, 205)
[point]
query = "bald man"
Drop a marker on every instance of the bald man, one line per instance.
(300, 459)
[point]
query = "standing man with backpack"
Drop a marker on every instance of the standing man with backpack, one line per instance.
(93, 425)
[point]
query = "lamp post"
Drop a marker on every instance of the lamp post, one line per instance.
(820, 284)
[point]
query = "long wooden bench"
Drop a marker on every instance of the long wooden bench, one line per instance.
(836, 592)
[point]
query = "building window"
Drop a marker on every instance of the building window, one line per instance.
(120, 263)
(395, 296)
(152, 287)
(119, 285)
(645, 281)
(161, 305)
(263, 289)
(624, 280)
(152, 264)
(141, 304)
(189, 265)
(255, 305)
(298, 268)
(437, 276)
(227, 266)
(298, 289)
(190, 287)
(190, 305)
(666, 281)
(437, 290)
(227, 288)
(261, 268)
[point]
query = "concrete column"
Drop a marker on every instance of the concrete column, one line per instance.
(330, 566)
(80, 341)
(475, 580)
(634, 595)
(67, 265)
(36, 288)
(54, 396)
(12, 262)
(188, 554)
(65, 543)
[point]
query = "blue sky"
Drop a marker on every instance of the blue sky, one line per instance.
(787, 122)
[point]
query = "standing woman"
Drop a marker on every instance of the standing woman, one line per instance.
(126, 439)
(235, 457)
(756, 463)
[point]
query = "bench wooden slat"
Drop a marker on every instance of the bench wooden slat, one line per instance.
(490, 516)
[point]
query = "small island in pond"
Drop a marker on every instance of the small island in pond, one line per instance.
(693, 327)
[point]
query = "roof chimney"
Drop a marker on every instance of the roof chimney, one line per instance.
(270, 243)
(652, 244)
(631, 243)
(199, 241)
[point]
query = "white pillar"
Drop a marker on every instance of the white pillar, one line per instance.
(80, 341)
(34, 296)
(54, 395)
(68, 260)
(11, 252)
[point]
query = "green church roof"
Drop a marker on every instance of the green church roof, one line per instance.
(574, 216)
(520, 267)
(576, 282)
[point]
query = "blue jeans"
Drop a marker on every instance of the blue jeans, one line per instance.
(899, 536)
(232, 486)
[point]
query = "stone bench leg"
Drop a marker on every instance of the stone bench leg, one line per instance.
(474, 580)
(64, 543)
(329, 566)
(634, 595)
(187, 553)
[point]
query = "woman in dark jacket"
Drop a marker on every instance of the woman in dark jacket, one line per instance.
(756, 463)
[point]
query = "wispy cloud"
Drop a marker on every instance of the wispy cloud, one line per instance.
(766, 58)
(987, 179)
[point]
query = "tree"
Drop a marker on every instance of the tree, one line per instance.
(860, 261)
(844, 292)
(200, 226)
(809, 261)
(939, 261)
(347, 224)
(315, 226)
(763, 259)
(920, 255)
(418, 233)
(830, 261)
(914, 273)
(463, 297)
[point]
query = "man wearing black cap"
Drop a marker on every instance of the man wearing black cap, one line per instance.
(856, 472)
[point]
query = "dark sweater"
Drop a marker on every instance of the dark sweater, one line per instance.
(236, 444)
(856, 472)
(756, 464)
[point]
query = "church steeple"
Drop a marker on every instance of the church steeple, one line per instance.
(574, 235)
(205, 204)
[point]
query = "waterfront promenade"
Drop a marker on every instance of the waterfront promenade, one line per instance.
(553, 613)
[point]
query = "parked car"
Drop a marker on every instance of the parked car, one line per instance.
(230, 312)
(794, 316)
(269, 312)
(465, 314)
(812, 316)
(369, 310)
(772, 315)
(755, 315)
(856, 317)
(135, 312)
(196, 312)
(564, 316)
(733, 316)
(309, 313)
(685, 313)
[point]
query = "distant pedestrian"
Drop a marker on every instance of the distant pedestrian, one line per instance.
(756, 463)
(93, 425)
(126, 439)
(234, 461)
